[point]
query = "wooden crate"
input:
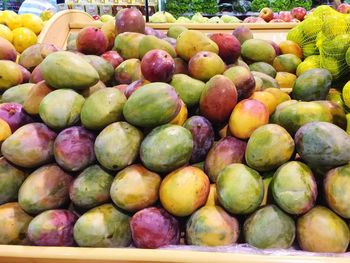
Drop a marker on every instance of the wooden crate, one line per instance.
(56, 31)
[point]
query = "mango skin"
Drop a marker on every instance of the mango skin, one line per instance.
(226, 151)
(335, 185)
(269, 147)
(10, 74)
(153, 228)
(91, 187)
(117, 145)
(36, 94)
(103, 226)
(34, 55)
(128, 71)
(104, 69)
(321, 230)
(258, 229)
(135, 188)
(294, 188)
(102, 108)
(52, 228)
(190, 42)
(30, 146)
(212, 199)
(51, 186)
(211, 226)
(61, 108)
(286, 63)
(17, 94)
(263, 67)
(240, 189)
(166, 148)
(66, 70)
(14, 222)
(246, 117)
(11, 179)
(74, 148)
(194, 185)
(127, 44)
(148, 43)
(257, 50)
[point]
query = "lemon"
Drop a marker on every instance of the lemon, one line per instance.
(23, 38)
(3, 16)
(5, 130)
(6, 33)
(346, 94)
(13, 21)
(32, 22)
(307, 65)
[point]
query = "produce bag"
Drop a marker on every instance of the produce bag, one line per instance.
(241, 6)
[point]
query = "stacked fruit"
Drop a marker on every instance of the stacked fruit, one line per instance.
(20, 30)
(180, 141)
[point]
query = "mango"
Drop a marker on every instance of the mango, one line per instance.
(268, 82)
(117, 146)
(74, 148)
(10, 74)
(61, 108)
(335, 185)
(190, 42)
(14, 115)
(279, 95)
(181, 117)
(269, 228)
(189, 89)
(104, 69)
(34, 55)
(151, 42)
(91, 187)
(66, 70)
(212, 95)
(247, 116)
(203, 136)
(175, 150)
(323, 144)
(36, 75)
(290, 47)
(181, 66)
(257, 50)
(17, 94)
(11, 178)
(91, 41)
(14, 223)
(194, 185)
(338, 113)
(285, 80)
(240, 189)
(266, 98)
(321, 230)
(212, 199)
(243, 79)
(211, 226)
(103, 226)
(46, 229)
(102, 108)
(204, 65)
(263, 67)
(294, 188)
(35, 95)
(153, 227)
(135, 188)
(30, 146)
(314, 84)
(243, 33)
(7, 50)
(129, 20)
(51, 186)
(226, 151)
(25, 73)
(286, 63)
(175, 30)
(89, 91)
(128, 71)
(127, 44)
(269, 147)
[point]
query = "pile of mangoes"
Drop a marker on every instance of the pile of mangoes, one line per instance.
(166, 140)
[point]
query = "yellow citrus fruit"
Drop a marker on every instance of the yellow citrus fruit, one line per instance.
(346, 94)
(3, 16)
(5, 130)
(23, 38)
(13, 21)
(6, 33)
(181, 117)
(285, 80)
(32, 22)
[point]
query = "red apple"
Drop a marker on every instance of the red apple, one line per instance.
(286, 16)
(252, 19)
(266, 14)
(277, 20)
(275, 16)
(113, 57)
(299, 13)
(157, 66)
(344, 8)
